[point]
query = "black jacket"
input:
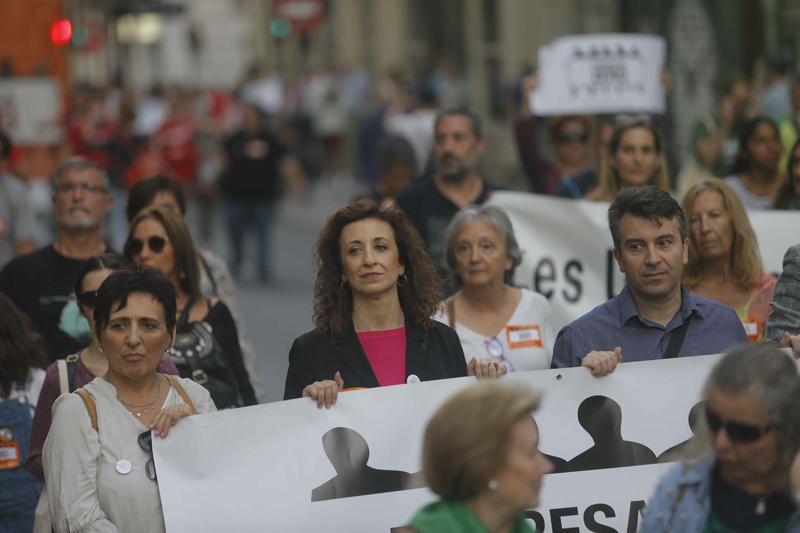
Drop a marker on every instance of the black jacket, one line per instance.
(431, 354)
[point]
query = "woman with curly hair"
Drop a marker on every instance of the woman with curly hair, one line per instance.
(374, 296)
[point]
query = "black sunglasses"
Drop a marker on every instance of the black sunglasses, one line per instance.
(146, 443)
(135, 246)
(88, 299)
(737, 431)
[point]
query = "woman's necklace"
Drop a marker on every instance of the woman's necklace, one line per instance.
(141, 410)
(761, 505)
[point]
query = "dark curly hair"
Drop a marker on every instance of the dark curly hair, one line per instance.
(21, 346)
(333, 301)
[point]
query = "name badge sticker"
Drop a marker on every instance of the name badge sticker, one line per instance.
(751, 327)
(524, 336)
(9, 455)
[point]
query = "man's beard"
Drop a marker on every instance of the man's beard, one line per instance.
(78, 225)
(457, 175)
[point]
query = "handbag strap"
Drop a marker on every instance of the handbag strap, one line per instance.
(184, 318)
(91, 407)
(184, 395)
(676, 340)
(451, 313)
(207, 269)
(63, 379)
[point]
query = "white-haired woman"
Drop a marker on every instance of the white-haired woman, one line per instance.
(493, 319)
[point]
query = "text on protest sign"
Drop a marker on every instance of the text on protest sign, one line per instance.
(601, 73)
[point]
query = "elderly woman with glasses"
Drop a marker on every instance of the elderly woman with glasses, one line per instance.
(76, 370)
(739, 476)
(493, 319)
(207, 346)
(98, 463)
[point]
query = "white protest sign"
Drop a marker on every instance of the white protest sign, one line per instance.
(29, 110)
(260, 468)
(601, 73)
(567, 248)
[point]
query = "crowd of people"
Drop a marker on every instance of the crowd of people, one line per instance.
(100, 352)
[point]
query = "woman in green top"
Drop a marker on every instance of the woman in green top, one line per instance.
(480, 455)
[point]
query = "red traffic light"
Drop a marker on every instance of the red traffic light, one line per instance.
(61, 32)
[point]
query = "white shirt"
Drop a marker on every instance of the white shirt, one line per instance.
(85, 488)
(527, 339)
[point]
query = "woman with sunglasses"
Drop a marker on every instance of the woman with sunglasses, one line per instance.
(493, 319)
(98, 462)
(78, 369)
(737, 479)
(788, 196)
(207, 347)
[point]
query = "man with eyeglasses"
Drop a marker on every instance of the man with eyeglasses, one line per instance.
(40, 283)
(653, 317)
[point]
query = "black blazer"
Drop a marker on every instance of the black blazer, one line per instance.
(434, 353)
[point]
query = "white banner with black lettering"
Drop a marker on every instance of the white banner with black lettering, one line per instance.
(601, 73)
(568, 248)
(289, 466)
(29, 110)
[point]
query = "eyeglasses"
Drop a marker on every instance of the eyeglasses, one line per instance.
(146, 443)
(495, 348)
(736, 431)
(88, 299)
(135, 246)
(65, 188)
(567, 138)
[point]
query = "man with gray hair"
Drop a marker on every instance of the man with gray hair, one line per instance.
(653, 317)
(41, 283)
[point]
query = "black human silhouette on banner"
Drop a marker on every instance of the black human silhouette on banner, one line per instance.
(601, 417)
(674, 453)
(348, 452)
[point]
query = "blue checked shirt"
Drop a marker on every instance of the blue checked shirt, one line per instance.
(713, 328)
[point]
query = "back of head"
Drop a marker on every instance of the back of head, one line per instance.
(144, 192)
(648, 202)
(467, 439)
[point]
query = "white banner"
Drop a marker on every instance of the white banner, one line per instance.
(271, 467)
(602, 73)
(568, 248)
(29, 110)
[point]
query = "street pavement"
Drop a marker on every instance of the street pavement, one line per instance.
(277, 312)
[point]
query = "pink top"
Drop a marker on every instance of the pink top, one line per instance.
(386, 352)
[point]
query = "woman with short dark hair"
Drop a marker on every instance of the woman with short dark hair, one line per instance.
(374, 296)
(76, 370)
(98, 459)
(755, 174)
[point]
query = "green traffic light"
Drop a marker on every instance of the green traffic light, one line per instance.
(280, 28)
